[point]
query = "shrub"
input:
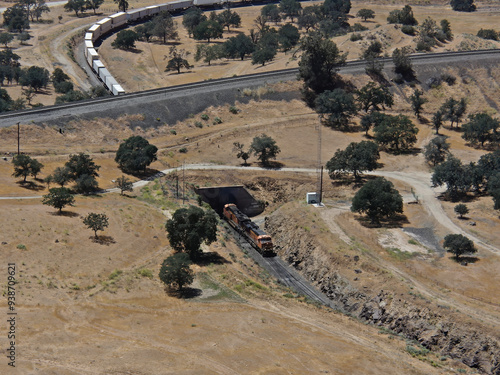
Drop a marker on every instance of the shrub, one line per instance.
(217, 120)
(355, 37)
(204, 117)
(358, 27)
(448, 78)
(409, 30)
(183, 150)
(233, 110)
(173, 132)
(21, 246)
(198, 124)
(488, 34)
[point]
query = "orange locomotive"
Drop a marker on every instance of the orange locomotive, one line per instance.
(242, 223)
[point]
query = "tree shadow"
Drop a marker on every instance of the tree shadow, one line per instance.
(182, 72)
(423, 120)
(395, 221)
(103, 240)
(149, 174)
(184, 293)
(464, 260)
(64, 214)
(205, 259)
(379, 78)
(30, 185)
(272, 165)
(134, 50)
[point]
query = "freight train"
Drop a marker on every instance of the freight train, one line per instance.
(120, 20)
(242, 223)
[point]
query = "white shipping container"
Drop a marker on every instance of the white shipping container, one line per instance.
(95, 27)
(103, 73)
(110, 81)
(117, 90)
(204, 2)
(133, 15)
(96, 65)
(91, 55)
(89, 36)
(164, 7)
(89, 44)
(118, 19)
(105, 25)
(181, 4)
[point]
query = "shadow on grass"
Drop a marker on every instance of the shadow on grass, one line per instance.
(65, 214)
(395, 221)
(465, 260)
(205, 259)
(30, 185)
(272, 165)
(184, 293)
(103, 240)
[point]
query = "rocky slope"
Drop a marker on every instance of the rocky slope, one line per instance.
(378, 300)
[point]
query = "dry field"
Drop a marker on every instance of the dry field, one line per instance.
(92, 308)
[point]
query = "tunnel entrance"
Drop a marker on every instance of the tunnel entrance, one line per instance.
(217, 197)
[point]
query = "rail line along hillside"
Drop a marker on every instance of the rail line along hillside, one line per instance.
(119, 20)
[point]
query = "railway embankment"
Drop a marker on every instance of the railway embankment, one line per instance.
(352, 276)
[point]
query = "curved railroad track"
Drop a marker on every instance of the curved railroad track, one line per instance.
(54, 112)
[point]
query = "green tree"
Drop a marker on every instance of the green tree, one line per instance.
(189, 228)
(59, 76)
(463, 5)
(71, 96)
(145, 31)
(481, 128)
(135, 154)
(371, 96)
(239, 46)
(240, 153)
(229, 18)
(446, 29)
(124, 184)
(372, 54)
(488, 34)
(453, 110)
(397, 133)
(125, 40)
(356, 158)
(404, 16)
(208, 29)
(59, 198)
(35, 77)
(164, 27)
(437, 120)
(271, 13)
(82, 169)
(122, 5)
(175, 271)
(192, 18)
(265, 148)
(461, 209)
(39, 8)
(86, 184)
(452, 174)
(417, 102)
(309, 17)
(378, 199)
(61, 176)
(6, 38)
(319, 65)
(209, 53)
(402, 63)
(290, 8)
(96, 222)
(177, 60)
(288, 36)
(25, 166)
(77, 6)
(458, 245)
(436, 150)
(494, 189)
(24, 37)
(371, 119)
(266, 48)
(365, 14)
(336, 108)
(16, 18)
(94, 4)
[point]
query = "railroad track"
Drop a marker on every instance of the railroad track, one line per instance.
(283, 272)
(156, 95)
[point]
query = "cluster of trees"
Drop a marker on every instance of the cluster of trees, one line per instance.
(478, 178)
(187, 230)
(25, 166)
(488, 34)
(80, 6)
(463, 5)
(263, 147)
(17, 17)
(80, 169)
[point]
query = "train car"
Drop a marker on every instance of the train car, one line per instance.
(165, 7)
(152, 10)
(88, 44)
(89, 36)
(205, 3)
(242, 223)
(117, 90)
(96, 65)
(118, 19)
(181, 4)
(105, 24)
(133, 15)
(110, 81)
(91, 55)
(96, 31)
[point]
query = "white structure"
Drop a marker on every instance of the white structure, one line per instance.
(312, 198)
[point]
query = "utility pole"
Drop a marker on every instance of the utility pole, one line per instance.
(319, 168)
(18, 139)
(183, 183)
